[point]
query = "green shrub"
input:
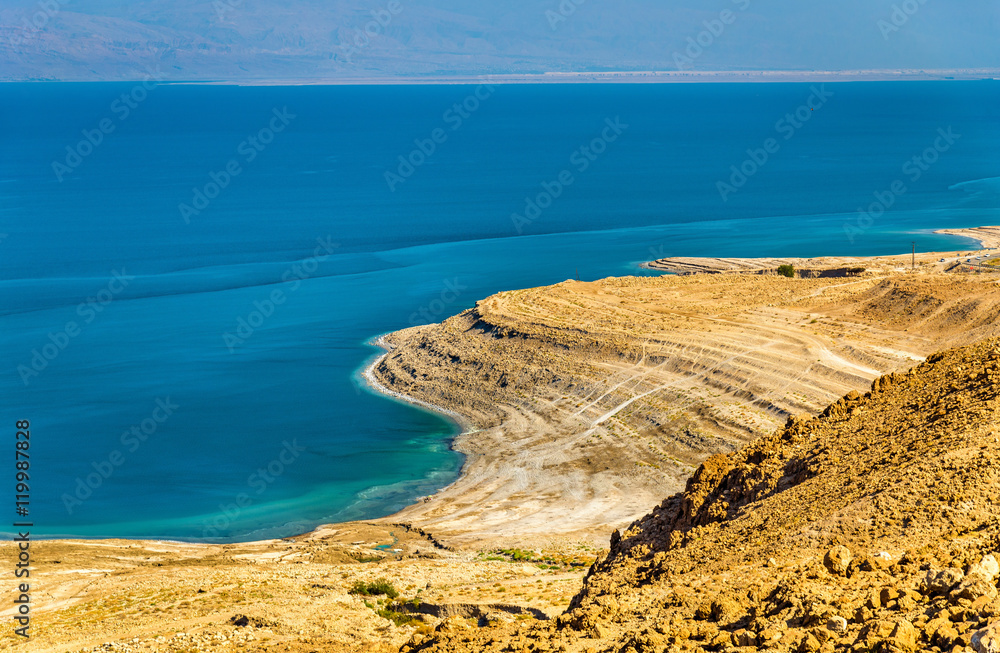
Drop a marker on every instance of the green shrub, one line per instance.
(376, 587)
(364, 558)
(786, 270)
(518, 555)
(399, 618)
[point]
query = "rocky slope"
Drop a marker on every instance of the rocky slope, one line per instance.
(592, 401)
(871, 527)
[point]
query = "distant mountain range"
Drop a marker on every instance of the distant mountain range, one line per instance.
(310, 39)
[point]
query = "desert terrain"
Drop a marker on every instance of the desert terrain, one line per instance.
(587, 405)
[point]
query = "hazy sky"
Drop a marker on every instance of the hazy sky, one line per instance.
(245, 39)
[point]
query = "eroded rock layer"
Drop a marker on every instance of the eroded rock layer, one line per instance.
(593, 401)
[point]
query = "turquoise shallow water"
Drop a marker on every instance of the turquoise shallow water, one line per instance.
(198, 378)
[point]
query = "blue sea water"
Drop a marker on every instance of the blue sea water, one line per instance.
(193, 373)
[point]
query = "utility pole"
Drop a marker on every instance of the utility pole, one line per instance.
(913, 256)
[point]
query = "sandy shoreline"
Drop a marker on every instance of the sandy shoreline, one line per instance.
(631, 77)
(986, 237)
(463, 424)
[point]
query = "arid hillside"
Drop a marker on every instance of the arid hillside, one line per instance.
(593, 401)
(871, 527)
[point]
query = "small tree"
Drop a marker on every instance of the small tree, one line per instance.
(786, 271)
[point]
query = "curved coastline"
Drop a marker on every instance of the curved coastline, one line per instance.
(462, 422)
(369, 376)
(988, 237)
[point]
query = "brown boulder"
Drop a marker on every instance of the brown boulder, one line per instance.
(726, 610)
(941, 581)
(973, 587)
(903, 636)
(837, 560)
(837, 625)
(987, 566)
(452, 625)
(987, 640)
